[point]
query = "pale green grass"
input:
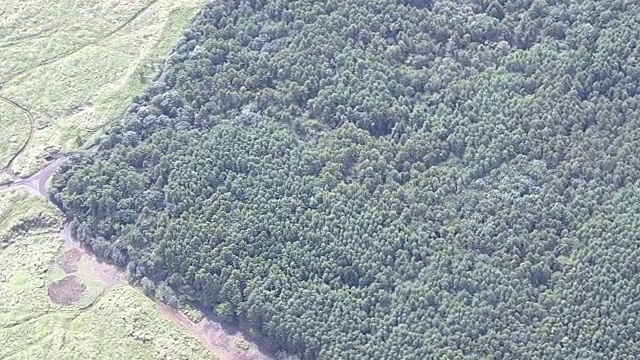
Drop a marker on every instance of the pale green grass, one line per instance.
(20, 210)
(15, 125)
(97, 55)
(5, 178)
(117, 324)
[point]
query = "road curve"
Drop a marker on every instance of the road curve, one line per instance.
(36, 183)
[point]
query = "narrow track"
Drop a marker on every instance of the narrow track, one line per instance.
(32, 125)
(40, 35)
(66, 54)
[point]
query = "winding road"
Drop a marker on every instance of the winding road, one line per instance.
(36, 183)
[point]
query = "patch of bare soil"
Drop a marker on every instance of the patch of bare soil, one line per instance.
(108, 274)
(67, 291)
(234, 345)
(223, 344)
(69, 260)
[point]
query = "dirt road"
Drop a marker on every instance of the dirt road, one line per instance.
(36, 183)
(225, 344)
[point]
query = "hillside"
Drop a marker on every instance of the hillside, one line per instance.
(67, 69)
(386, 179)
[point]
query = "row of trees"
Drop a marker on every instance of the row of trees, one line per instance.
(386, 179)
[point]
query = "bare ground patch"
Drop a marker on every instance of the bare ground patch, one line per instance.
(67, 291)
(69, 260)
(222, 343)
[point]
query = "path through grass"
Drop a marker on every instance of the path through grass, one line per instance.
(76, 65)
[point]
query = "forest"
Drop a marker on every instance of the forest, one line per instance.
(386, 179)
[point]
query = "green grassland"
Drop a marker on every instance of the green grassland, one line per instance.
(109, 322)
(16, 128)
(75, 65)
(21, 212)
(5, 178)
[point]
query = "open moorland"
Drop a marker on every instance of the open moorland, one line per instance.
(69, 68)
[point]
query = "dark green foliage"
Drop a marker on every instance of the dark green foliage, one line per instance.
(387, 179)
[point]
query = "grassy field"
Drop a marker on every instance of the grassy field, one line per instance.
(21, 212)
(108, 320)
(5, 178)
(17, 127)
(75, 65)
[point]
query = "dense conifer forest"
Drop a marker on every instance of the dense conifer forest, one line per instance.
(386, 179)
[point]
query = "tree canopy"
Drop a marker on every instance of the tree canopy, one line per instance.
(387, 179)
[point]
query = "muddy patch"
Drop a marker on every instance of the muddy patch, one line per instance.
(67, 291)
(222, 343)
(234, 345)
(69, 260)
